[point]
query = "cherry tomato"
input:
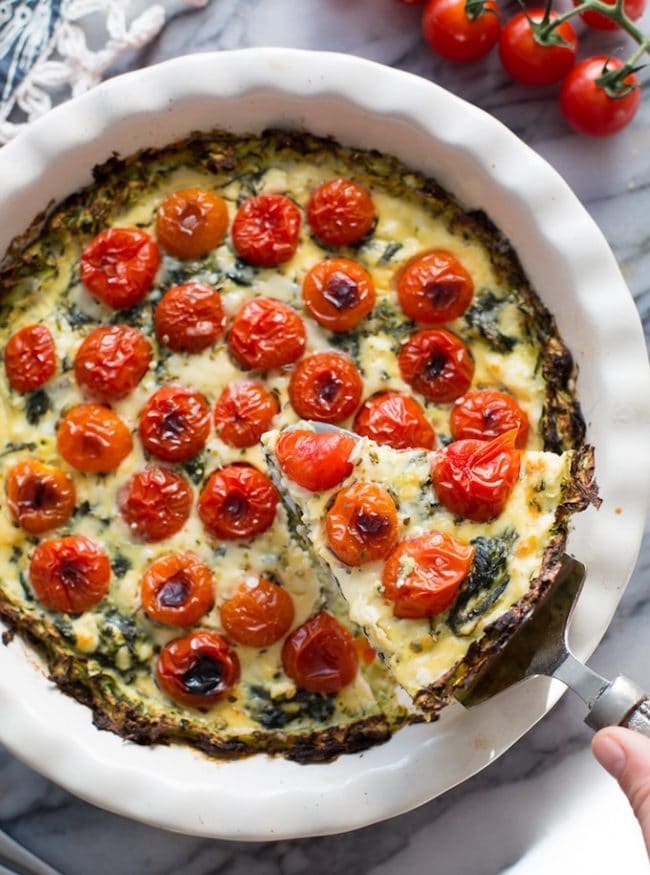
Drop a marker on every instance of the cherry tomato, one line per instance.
(474, 479)
(189, 318)
(484, 414)
(197, 670)
(111, 361)
(588, 108)
(40, 497)
(315, 461)
(320, 655)
(338, 293)
(155, 503)
(411, 2)
(365, 650)
(530, 61)
(191, 222)
(238, 501)
(243, 412)
(325, 386)
(266, 334)
(461, 31)
(177, 590)
(258, 614)
(362, 524)
(633, 9)
(340, 212)
(266, 230)
(30, 358)
(422, 575)
(93, 439)
(70, 574)
(434, 288)
(175, 423)
(118, 266)
(437, 364)
(395, 420)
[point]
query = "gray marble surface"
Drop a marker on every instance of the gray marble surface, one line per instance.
(545, 803)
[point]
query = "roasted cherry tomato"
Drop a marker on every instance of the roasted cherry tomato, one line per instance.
(437, 364)
(474, 479)
(258, 614)
(588, 108)
(118, 266)
(461, 30)
(177, 590)
(189, 318)
(266, 334)
(434, 288)
(422, 575)
(362, 524)
(266, 230)
(93, 439)
(325, 386)
(320, 655)
(243, 412)
(155, 503)
(338, 293)
(365, 650)
(40, 497)
(238, 501)
(315, 461)
(395, 420)
(191, 222)
(175, 423)
(633, 9)
(530, 61)
(111, 361)
(484, 414)
(340, 212)
(197, 670)
(70, 574)
(30, 358)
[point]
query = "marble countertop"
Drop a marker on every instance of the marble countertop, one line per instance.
(546, 803)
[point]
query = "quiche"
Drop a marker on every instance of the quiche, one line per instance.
(154, 326)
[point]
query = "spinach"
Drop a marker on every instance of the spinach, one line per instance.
(120, 564)
(195, 469)
(483, 316)
(388, 253)
(36, 405)
(75, 318)
(16, 447)
(276, 713)
(241, 274)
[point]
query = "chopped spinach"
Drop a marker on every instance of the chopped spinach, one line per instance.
(241, 274)
(195, 468)
(75, 318)
(275, 713)
(36, 405)
(483, 316)
(120, 564)
(388, 253)
(16, 447)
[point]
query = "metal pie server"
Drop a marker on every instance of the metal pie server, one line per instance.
(539, 647)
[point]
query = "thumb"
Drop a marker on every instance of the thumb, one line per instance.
(626, 756)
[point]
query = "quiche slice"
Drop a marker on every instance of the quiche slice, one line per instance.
(382, 529)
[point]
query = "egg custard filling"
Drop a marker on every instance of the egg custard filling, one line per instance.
(155, 325)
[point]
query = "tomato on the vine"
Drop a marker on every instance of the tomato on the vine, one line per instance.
(177, 590)
(315, 461)
(395, 420)
(587, 105)
(70, 574)
(461, 30)
(197, 670)
(528, 59)
(633, 9)
(258, 614)
(320, 656)
(362, 524)
(325, 386)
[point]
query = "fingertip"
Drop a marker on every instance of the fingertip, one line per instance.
(610, 753)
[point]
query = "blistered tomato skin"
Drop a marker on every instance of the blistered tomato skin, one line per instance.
(197, 670)
(243, 412)
(175, 424)
(118, 266)
(266, 230)
(320, 656)
(40, 497)
(258, 614)
(340, 212)
(191, 222)
(422, 575)
(70, 574)
(474, 479)
(338, 293)
(437, 364)
(325, 386)
(315, 461)
(362, 524)
(434, 288)
(395, 420)
(30, 358)
(111, 361)
(155, 503)
(177, 590)
(484, 414)
(189, 317)
(93, 439)
(266, 334)
(238, 501)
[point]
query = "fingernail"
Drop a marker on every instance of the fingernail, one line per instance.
(609, 754)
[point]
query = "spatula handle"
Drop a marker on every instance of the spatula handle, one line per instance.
(621, 703)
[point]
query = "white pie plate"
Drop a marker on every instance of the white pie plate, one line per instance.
(569, 262)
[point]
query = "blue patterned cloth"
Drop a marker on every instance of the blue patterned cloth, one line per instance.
(26, 28)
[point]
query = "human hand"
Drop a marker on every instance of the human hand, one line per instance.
(626, 756)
